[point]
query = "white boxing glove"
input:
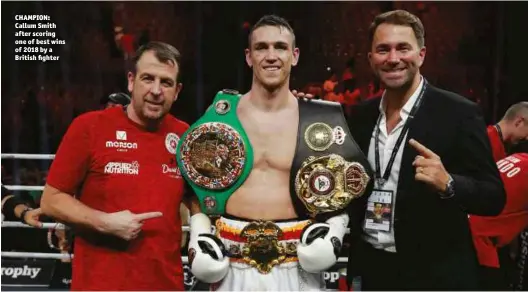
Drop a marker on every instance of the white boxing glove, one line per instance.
(320, 244)
(207, 254)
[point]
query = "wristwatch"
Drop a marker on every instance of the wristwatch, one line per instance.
(450, 189)
(23, 215)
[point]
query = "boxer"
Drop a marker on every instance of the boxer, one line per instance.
(279, 171)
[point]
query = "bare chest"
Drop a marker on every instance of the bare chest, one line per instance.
(273, 138)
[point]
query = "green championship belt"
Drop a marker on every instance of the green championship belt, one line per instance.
(214, 155)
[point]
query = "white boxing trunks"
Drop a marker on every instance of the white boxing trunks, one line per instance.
(263, 257)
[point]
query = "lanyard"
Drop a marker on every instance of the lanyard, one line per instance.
(383, 180)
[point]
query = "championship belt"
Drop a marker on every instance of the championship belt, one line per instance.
(214, 154)
(329, 169)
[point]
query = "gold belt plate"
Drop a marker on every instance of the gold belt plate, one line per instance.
(329, 183)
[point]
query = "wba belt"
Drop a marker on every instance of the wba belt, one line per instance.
(329, 170)
(214, 154)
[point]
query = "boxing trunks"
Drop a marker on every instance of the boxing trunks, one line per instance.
(263, 256)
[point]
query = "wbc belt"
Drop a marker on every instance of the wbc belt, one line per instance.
(214, 154)
(329, 170)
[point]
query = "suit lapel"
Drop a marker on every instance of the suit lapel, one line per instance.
(368, 123)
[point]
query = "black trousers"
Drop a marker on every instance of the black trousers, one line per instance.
(382, 271)
(385, 271)
(493, 279)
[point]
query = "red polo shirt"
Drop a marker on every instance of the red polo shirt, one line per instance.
(490, 233)
(113, 164)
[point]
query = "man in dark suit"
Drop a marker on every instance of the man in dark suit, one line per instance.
(433, 164)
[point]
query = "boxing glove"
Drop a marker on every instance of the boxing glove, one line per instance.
(207, 254)
(320, 244)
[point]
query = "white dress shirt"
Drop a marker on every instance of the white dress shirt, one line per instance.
(382, 239)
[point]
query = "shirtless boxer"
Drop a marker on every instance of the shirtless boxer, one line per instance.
(248, 160)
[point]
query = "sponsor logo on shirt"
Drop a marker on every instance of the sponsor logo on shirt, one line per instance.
(172, 171)
(121, 135)
(121, 144)
(122, 168)
(167, 169)
(171, 142)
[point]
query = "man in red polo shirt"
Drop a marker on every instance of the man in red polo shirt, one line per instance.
(512, 129)
(492, 233)
(120, 163)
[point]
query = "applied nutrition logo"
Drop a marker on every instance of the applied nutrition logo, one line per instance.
(122, 168)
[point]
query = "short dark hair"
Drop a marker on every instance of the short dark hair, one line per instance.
(163, 51)
(271, 20)
(399, 17)
(518, 109)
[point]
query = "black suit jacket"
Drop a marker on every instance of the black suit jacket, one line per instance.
(432, 234)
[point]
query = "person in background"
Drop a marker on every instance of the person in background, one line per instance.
(14, 208)
(492, 233)
(510, 130)
(115, 99)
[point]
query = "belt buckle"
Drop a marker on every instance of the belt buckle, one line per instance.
(262, 249)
